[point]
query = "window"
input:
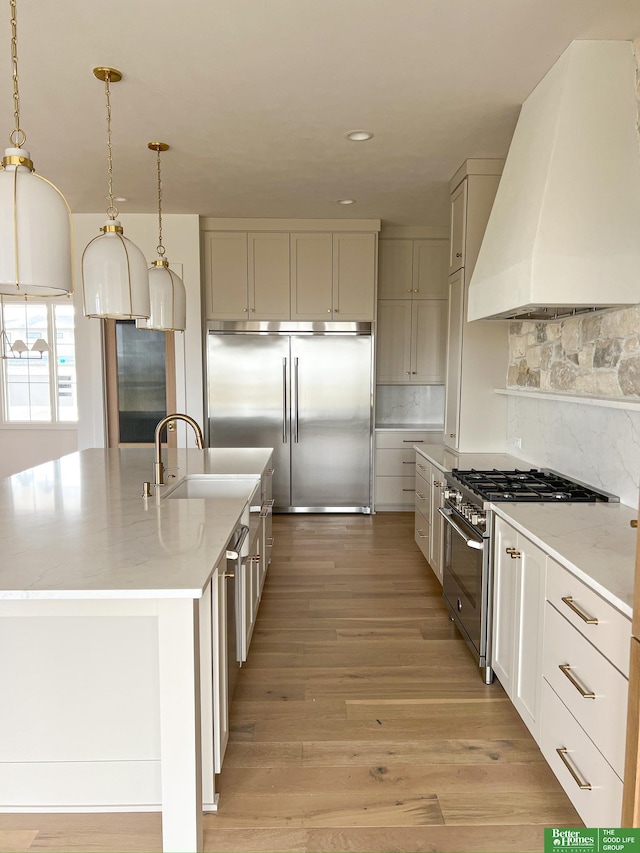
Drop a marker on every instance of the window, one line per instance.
(39, 373)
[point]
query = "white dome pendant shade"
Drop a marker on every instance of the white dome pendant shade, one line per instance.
(168, 299)
(166, 289)
(35, 219)
(35, 231)
(115, 278)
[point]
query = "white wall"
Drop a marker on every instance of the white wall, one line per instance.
(26, 446)
(23, 447)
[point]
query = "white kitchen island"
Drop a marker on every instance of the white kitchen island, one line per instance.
(102, 593)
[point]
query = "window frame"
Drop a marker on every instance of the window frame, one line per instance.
(54, 422)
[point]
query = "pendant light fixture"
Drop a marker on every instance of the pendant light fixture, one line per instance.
(35, 219)
(114, 270)
(167, 293)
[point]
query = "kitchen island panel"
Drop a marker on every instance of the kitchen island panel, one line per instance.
(101, 592)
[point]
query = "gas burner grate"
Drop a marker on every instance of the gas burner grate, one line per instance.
(527, 486)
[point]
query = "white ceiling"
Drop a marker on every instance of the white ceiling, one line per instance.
(254, 97)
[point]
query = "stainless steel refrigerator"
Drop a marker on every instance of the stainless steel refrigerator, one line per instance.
(305, 389)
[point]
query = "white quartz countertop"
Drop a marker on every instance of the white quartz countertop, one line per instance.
(436, 428)
(445, 459)
(79, 528)
(593, 541)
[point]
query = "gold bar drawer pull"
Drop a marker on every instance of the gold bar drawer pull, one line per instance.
(563, 752)
(590, 620)
(413, 440)
(566, 669)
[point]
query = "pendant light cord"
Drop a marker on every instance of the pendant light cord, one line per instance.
(17, 137)
(112, 210)
(160, 248)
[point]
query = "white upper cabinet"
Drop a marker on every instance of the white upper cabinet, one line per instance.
(268, 276)
(430, 269)
(412, 311)
(395, 272)
(394, 345)
(354, 276)
(477, 353)
(274, 273)
(411, 341)
(413, 269)
(311, 276)
(458, 227)
(246, 276)
(428, 341)
(225, 264)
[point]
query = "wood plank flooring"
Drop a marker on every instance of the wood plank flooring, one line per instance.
(360, 721)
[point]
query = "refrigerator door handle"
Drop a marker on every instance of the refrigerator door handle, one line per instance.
(285, 437)
(295, 401)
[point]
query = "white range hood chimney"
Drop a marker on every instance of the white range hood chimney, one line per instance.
(564, 232)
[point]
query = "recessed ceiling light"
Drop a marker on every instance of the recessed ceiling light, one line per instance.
(346, 201)
(358, 135)
(120, 198)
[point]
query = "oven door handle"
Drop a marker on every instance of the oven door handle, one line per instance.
(470, 543)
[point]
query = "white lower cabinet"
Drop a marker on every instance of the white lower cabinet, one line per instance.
(561, 653)
(586, 659)
(584, 680)
(518, 620)
(395, 468)
(587, 778)
(429, 531)
(423, 507)
(436, 545)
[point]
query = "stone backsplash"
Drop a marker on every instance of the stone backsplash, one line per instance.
(596, 354)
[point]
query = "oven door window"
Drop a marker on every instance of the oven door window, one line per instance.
(463, 582)
(466, 568)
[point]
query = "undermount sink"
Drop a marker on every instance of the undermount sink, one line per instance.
(213, 486)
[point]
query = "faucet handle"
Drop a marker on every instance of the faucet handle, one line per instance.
(146, 489)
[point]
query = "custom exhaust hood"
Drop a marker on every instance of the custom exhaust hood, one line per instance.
(563, 236)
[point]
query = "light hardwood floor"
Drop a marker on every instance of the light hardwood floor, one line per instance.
(360, 721)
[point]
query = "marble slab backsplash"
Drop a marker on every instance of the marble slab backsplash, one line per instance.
(410, 404)
(597, 445)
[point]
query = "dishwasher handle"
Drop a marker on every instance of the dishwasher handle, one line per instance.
(234, 554)
(470, 543)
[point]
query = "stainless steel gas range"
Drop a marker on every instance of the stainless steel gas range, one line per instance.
(467, 571)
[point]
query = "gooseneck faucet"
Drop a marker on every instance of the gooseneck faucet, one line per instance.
(158, 467)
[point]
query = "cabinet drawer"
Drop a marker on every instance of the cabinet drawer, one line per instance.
(600, 806)
(611, 634)
(422, 534)
(604, 717)
(423, 495)
(398, 463)
(403, 439)
(394, 491)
